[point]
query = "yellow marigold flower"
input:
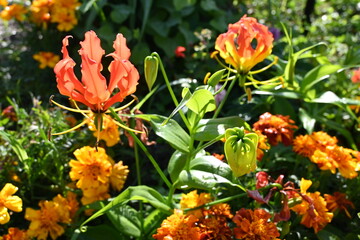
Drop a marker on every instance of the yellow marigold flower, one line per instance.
(3, 3)
(46, 221)
(277, 128)
(40, 12)
(306, 145)
(46, 59)
(338, 201)
(236, 48)
(178, 226)
(254, 225)
(68, 4)
(67, 206)
(110, 131)
(9, 202)
(93, 194)
(336, 157)
(118, 176)
(15, 234)
(16, 11)
(312, 208)
(92, 168)
(192, 200)
(65, 18)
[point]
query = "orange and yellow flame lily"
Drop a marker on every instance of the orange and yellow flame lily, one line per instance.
(93, 89)
(245, 44)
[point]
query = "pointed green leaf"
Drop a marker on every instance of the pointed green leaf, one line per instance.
(125, 219)
(200, 180)
(141, 193)
(307, 121)
(201, 102)
(176, 164)
(213, 165)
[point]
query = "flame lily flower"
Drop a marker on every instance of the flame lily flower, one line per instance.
(236, 45)
(93, 89)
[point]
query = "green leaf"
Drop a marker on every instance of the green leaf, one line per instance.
(200, 180)
(180, 4)
(307, 121)
(208, 5)
(176, 164)
(172, 132)
(213, 165)
(120, 13)
(318, 74)
(125, 219)
(202, 101)
(15, 145)
(152, 221)
(142, 193)
(209, 129)
(215, 78)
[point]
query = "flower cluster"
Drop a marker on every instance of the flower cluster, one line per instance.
(51, 219)
(195, 221)
(95, 172)
(44, 12)
(109, 131)
(277, 128)
(323, 150)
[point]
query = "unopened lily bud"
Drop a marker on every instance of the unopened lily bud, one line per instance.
(240, 150)
(151, 64)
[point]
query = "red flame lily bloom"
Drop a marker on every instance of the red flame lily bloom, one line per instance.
(93, 89)
(245, 44)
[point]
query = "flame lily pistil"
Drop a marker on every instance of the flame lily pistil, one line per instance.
(94, 90)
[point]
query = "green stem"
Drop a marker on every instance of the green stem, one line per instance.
(167, 82)
(143, 147)
(227, 199)
(138, 173)
(224, 99)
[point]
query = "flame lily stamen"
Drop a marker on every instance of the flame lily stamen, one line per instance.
(71, 129)
(67, 108)
(276, 59)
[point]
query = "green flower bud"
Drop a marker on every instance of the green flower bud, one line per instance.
(151, 65)
(240, 150)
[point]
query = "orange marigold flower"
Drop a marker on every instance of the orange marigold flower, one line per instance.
(46, 59)
(277, 128)
(9, 202)
(338, 201)
(213, 228)
(221, 210)
(254, 225)
(109, 131)
(46, 221)
(92, 168)
(312, 208)
(178, 226)
(93, 90)
(262, 145)
(306, 145)
(192, 200)
(15, 234)
(236, 46)
(336, 157)
(16, 11)
(118, 176)
(356, 76)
